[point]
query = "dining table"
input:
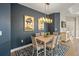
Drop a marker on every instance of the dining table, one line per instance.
(45, 40)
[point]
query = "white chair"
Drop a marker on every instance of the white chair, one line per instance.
(68, 36)
(65, 38)
(42, 33)
(33, 44)
(58, 39)
(37, 34)
(37, 45)
(52, 45)
(55, 33)
(63, 35)
(48, 33)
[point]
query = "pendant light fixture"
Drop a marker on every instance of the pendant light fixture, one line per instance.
(47, 19)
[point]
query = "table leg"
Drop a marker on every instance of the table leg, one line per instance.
(45, 49)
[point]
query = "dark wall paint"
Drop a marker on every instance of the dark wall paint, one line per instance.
(17, 31)
(5, 28)
(57, 22)
(55, 26)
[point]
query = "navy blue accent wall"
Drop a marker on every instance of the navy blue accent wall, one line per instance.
(17, 31)
(55, 26)
(5, 28)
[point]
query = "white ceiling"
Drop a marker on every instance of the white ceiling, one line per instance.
(54, 7)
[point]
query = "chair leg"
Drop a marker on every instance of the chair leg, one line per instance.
(52, 52)
(33, 52)
(37, 52)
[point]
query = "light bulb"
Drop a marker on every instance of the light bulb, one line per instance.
(51, 20)
(48, 20)
(43, 19)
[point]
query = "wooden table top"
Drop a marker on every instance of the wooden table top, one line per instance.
(45, 39)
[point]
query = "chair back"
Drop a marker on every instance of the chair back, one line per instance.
(48, 33)
(42, 33)
(53, 41)
(33, 41)
(63, 35)
(55, 33)
(37, 34)
(39, 44)
(36, 42)
(68, 36)
(58, 39)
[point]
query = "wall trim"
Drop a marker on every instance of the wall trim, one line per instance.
(19, 48)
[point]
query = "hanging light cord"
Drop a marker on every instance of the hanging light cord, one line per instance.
(45, 18)
(45, 11)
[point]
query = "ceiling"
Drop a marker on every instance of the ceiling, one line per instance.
(54, 7)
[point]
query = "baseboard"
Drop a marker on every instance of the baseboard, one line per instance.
(19, 48)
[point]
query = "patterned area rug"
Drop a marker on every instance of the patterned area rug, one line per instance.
(60, 50)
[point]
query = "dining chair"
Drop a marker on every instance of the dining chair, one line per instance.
(55, 33)
(68, 36)
(33, 44)
(42, 33)
(37, 34)
(48, 33)
(63, 35)
(58, 39)
(37, 45)
(51, 45)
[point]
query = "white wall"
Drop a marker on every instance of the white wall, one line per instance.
(74, 16)
(77, 26)
(65, 16)
(62, 18)
(70, 25)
